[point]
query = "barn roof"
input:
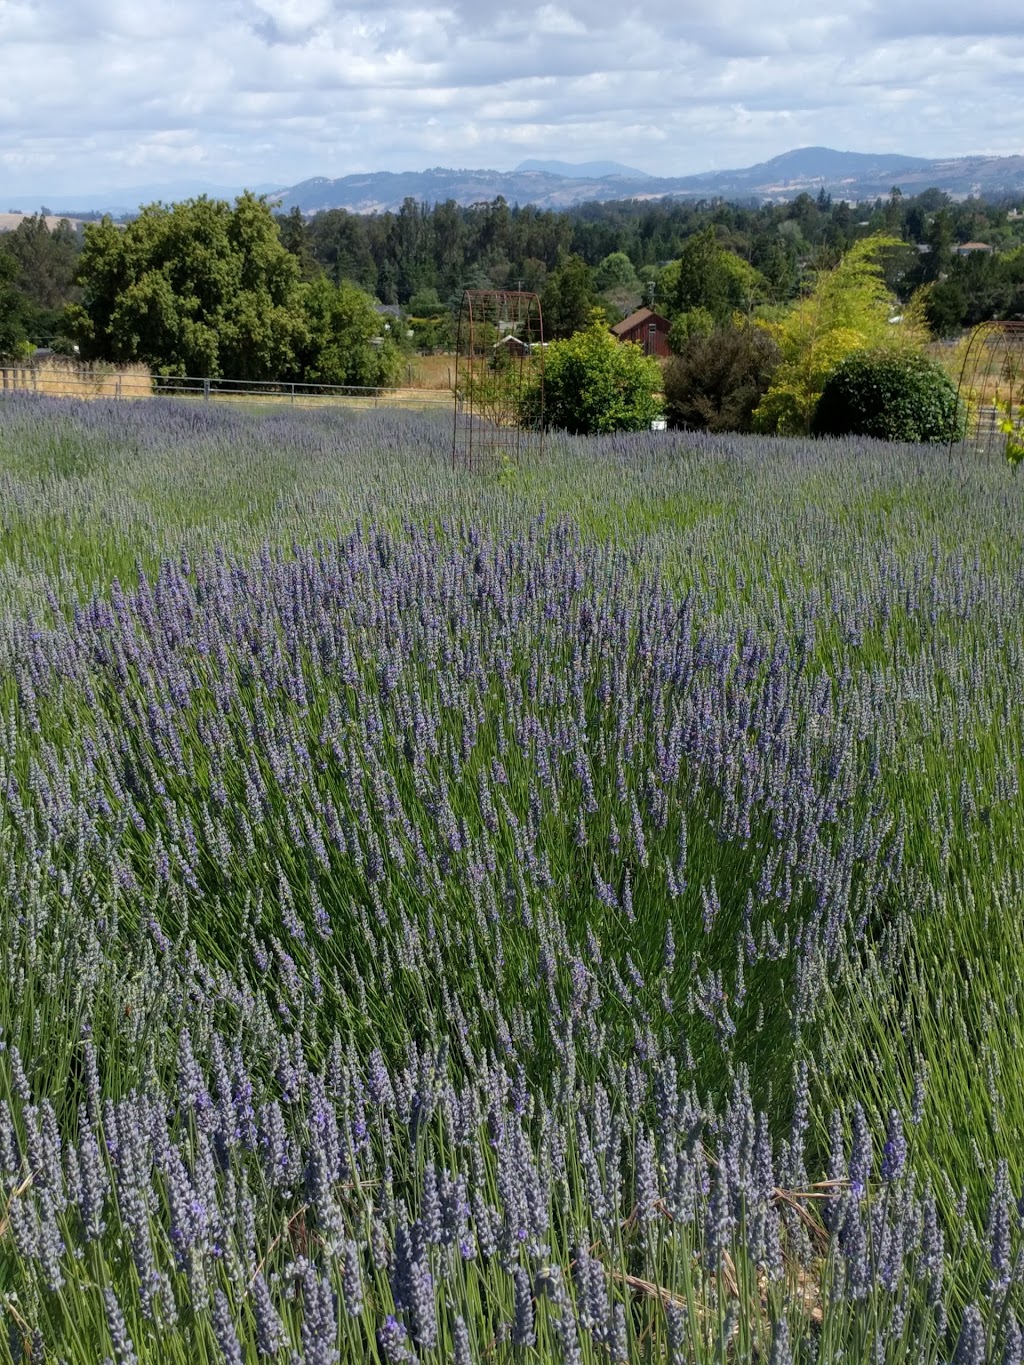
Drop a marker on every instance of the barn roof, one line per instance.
(636, 319)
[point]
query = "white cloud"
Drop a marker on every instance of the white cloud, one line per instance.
(93, 92)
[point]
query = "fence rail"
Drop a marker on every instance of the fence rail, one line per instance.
(99, 383)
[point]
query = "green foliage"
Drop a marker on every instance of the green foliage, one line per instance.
(891, 395)
(848, 309)
(432, 334)
(695, 322)
(194, 288)
(567, 299)
(425, 303)
(1013, 429)
(37, 269)
(616, 272)
(718, 378)
(13, 333)
(712, 279)
(617, 282)
(594, 384)
(45, 260)
(344, 341)
(297, 240)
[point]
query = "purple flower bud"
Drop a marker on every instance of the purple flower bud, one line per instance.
(998, 1229)
(894, 1156)
(319, 1323)
(124, 1350)
(860, 1153)
(392, 1338)
(781, 1354)
(1013, 1347)
(970, 1344)
(522, 1327)
(351, 1282)
(270, 1333)
(224, 1330)
(461, 1351)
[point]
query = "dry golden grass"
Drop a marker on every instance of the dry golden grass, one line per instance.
(10, 221)
(430, 372)
(62, 378)
(421, 399)
(69, 379)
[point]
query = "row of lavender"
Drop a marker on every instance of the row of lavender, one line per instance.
(461, 944)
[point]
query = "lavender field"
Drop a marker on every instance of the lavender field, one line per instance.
(568, 913)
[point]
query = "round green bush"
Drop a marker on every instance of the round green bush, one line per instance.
(892, 395)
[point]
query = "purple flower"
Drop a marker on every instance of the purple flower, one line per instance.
(894, 1155)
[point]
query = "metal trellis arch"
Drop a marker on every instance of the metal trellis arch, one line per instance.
(991, 389)
(499, 378)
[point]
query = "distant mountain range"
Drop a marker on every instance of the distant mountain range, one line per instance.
(559, 184)
(584, 169)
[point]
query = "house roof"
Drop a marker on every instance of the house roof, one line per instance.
(973, 246)
(635, 319)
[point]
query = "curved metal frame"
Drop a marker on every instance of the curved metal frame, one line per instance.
(991, 387)
(490, 383)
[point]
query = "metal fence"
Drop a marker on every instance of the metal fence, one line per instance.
(97, 382)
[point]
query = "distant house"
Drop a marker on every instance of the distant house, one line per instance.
(968, 248)
(513, 345)
(648, 329)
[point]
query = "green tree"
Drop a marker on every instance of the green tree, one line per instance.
(695, 322)
(191, 288)
(593, 383)
(848, 309)
(714, 279)
(939, 238)
(893, 396)
(46, 261)
(617, 282)
(616, 272)
(13, 329)
(718, 379)
(568, 298)
(297, 240)
(425, 303)
(344, 340)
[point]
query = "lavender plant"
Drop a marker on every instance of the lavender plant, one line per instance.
(563, 918)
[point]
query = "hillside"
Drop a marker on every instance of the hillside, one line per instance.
(846, 175)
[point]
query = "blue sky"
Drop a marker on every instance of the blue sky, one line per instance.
(101, 94)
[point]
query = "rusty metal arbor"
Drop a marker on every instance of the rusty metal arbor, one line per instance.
(499, 362)
(991, 388)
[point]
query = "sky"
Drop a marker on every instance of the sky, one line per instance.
(97, 95)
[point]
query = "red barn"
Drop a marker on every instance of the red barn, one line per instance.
(648, 329)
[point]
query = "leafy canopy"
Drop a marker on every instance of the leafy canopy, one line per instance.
(848, 309)
(568, 298)
(710, 278)
(345, 343)
(593, 384)
(718, 378)
(891, 395)
(192, 288)
(13, 330)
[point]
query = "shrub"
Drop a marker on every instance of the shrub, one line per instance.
(892, 395)
(695, 322)
(849, 309)
(717, 380)
(594, 384)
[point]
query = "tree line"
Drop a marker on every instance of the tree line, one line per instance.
(207, 287)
